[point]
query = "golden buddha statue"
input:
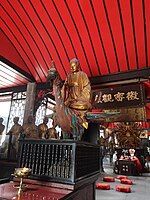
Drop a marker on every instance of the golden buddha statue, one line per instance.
(52, 134)
(76, 91)
(42, 128)
(30, 129)
(2, 126)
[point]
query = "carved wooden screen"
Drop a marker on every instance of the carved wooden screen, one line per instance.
(45, 108)
(17, 108)
(41, 111)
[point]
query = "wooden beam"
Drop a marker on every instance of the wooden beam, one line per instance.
(122, 76)
(22, 88)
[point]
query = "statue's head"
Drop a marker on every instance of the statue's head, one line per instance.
(1, 120)
(74, 64)
(45, 120)
(15, 120)
(31, 119)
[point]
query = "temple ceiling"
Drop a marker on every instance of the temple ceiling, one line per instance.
(111, 39)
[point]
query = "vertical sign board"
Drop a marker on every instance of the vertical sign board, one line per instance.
(119, 97)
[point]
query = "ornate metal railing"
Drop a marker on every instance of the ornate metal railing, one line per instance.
(59, 161)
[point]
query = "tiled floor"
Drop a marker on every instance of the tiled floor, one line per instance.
(140, 188)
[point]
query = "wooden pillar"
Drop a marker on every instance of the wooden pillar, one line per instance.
(30, 101)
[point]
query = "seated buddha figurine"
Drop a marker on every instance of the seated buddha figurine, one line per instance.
(42, 128)
(52, 134)
(30, 129)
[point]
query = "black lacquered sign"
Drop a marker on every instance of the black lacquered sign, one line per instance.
(117, 97)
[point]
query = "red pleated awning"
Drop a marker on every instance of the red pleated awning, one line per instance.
(108, 37)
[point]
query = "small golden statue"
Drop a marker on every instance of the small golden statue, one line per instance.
(30, 129)
(43, 128)
(21, 173)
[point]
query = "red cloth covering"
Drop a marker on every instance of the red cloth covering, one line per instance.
(123, 188)
(8, 191)
(137, 163)
(126, 181)
(103, 186)
(109, 179)
(121, 177)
